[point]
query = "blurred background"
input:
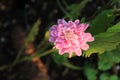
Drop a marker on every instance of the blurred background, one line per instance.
(24, 26)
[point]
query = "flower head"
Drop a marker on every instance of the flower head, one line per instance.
(69, 37)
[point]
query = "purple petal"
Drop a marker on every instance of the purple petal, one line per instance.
(52, 39)
(77, 22)
(61, 21)
(54, 27)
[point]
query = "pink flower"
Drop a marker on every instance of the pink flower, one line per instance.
(69, 37)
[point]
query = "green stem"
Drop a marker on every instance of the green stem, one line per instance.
(37, 55)
(40, 44)
(63, 10)
(30, 38)
(24, 59)
(72, 66)
(18, 56)
(4, 67)
(65, 3)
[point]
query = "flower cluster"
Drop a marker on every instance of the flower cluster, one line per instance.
(69, 37)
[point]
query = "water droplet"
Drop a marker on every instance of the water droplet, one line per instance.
(99, 7)
(13, 21)
(2, 39)
(118, 67)
(27, 5)
(5, 24)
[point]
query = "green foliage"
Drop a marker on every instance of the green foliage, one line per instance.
(113, 77)
(113, 57)
(90, 72)
(101, 22)
(102, 43)
(59, 59)
(115, 28)
(30, 38)
(106, 41)
(82, 20)
(105, 63)
(106, 76)
(75, 9)
(33, 32)
(62, 60)
(114, 2)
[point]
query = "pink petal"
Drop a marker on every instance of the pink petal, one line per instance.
(72, 24)
(62, 51)
(83, 27)
(85, 46)
(89, 37)
(78, 52)
(60, 27)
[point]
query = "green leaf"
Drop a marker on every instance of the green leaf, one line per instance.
(103, 62)
(33, 32)
(82, 20)
(59, 59)
(104, 65)
(101, 22)
(90, 72)
(30, 38)
(106, 41)
(104, 76)
(113, 57)
(103, 42)
(62, 60)
(115, 28)
(113, 77)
